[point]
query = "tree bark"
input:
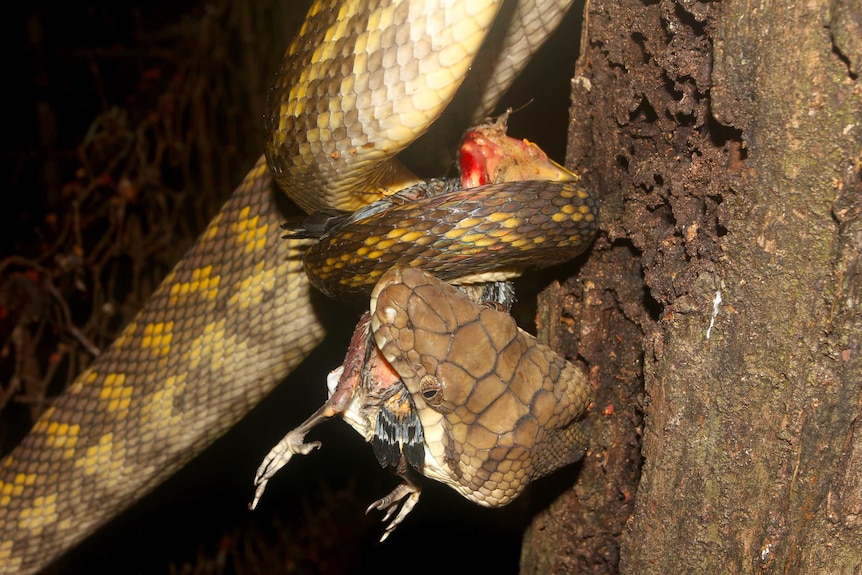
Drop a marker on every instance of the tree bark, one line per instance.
(719, 311)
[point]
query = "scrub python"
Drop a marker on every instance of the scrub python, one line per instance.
(362, 80)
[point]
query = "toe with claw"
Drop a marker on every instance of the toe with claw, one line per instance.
(402, 500)
(292, 444)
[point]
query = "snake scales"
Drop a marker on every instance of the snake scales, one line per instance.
(234, 316)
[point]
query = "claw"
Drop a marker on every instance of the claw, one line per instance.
(292, 444)
(391, 503)
(278, 456)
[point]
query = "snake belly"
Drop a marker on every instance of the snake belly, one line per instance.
(234, 316)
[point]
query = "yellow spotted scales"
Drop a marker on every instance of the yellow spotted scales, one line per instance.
(119, 423)
(502, 228)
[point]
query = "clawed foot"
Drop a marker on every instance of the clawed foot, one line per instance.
(292, 444)
(391, 504)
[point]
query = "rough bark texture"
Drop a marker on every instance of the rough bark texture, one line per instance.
(726, 142)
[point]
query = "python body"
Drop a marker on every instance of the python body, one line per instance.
(442, 382)
(362, 80)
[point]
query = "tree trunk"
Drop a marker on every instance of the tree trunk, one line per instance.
(719, 311)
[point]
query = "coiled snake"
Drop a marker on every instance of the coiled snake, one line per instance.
(362, 80)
